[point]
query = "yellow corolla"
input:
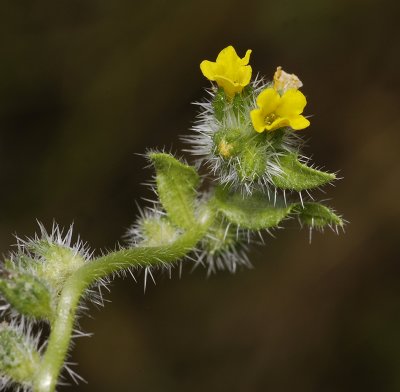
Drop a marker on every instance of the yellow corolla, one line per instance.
(229, 71)
(276, 111)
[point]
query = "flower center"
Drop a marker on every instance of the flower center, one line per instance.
(268, 120)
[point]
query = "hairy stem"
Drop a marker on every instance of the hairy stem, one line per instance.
(61, 329)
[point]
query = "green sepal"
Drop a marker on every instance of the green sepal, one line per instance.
(219, 103)
(252, 164)
(298, 176)
(19, 359)
(27, 294)
(254, 212)
(176, 187)
(318, 216)
(238, 105)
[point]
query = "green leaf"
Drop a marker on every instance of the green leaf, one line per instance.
(176, 187)
(27, 294)
(256, 212)
(317, 215)
(297, 176)
(253, 212)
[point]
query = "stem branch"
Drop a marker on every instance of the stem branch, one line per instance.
(61, 328)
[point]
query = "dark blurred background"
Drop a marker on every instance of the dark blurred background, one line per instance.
(84, 85)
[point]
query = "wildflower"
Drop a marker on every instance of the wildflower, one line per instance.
(276, 111)
(284, 81)
(229, 71)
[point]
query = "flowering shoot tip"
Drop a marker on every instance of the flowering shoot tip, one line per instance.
(249, 178)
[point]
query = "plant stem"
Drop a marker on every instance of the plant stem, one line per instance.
(61, 328)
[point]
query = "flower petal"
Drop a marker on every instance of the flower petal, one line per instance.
(257, 118)
(292, 103)
(228, 85)
(278, 123)
(245, 60)
(245, 75)
(268, 100)
(227, 56)
(298, 122)
(209, 69)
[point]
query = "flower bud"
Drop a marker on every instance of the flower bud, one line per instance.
(153, 228)
(158, 231)
(57, 262)
(50, 257)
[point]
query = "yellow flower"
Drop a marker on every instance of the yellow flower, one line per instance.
(276, 111)
(229, 71)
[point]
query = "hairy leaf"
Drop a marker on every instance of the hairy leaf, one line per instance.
(253, 212)
(257, 212)
(176, 187)
(297, 176)
(317, 215)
